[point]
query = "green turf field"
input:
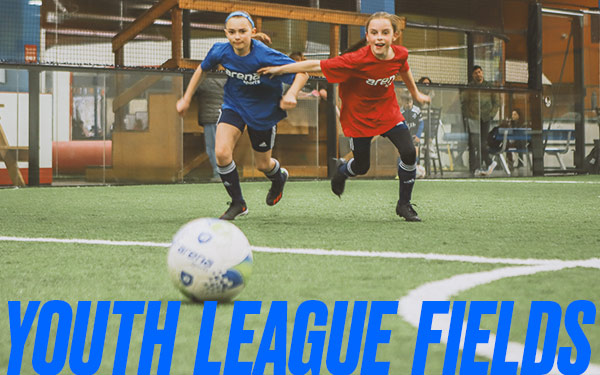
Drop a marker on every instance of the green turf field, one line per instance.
(540, 219)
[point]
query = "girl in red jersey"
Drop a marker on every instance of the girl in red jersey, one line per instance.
(369, 105)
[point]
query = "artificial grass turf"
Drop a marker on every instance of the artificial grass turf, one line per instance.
(495, 218)
(73, 272)
(492, 218)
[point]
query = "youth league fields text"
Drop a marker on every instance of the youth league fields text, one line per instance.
(322, 337)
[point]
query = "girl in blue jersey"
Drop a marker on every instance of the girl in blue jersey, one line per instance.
(249, 100)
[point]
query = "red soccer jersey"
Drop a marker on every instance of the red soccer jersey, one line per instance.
(369, 104)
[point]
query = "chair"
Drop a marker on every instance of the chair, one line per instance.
(454, 142)
(557, 142)
(514, 140)
(432, 119)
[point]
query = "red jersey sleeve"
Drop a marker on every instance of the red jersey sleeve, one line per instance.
(404, 67)
(402, 54)
(338, 69)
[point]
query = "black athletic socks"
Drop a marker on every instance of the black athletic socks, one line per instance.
(275, 175)
(231, 181)
(406, 175)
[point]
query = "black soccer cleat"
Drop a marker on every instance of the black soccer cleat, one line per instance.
(407, 211)
(338, 181)
(276, 191)
(235, 210)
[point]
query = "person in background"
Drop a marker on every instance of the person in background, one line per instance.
(310, 89)
(424, 83)
(425, 107)
(413, 117)
(414, 121)
(515, 121)
(297, 56)
(210, 99)
(479, 107)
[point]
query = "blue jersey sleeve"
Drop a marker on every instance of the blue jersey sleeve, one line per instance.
(275, 58)
(213, 57)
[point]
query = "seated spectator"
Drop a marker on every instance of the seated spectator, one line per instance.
(425, 107)
(515, 121)
(412, 116)
(414, 122)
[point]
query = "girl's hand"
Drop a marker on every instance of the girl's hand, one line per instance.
(422, 98)
(272, 71)
(288, 102)
(182, 106)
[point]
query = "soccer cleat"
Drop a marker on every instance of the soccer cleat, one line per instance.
(407, 211)
(276, 192)
(235, 210)
(338, 181)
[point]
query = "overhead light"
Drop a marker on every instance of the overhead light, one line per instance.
(37, 3)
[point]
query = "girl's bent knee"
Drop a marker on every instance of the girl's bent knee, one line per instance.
(360, 168)
(409, 158)
(223, 157)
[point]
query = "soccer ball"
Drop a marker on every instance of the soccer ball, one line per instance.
(210, 259)
(420, 171)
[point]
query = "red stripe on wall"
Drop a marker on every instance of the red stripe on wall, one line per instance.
(45, 176)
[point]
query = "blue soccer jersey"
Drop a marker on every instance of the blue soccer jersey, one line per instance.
(255, 98)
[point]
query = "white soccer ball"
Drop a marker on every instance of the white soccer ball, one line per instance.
(210, 259)
(420, 171)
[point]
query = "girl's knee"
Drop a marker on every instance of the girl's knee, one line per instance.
(223, 155)
(409, 157)
(360, 168)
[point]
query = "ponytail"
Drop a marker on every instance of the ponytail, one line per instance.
(356, 46)
(262, 37)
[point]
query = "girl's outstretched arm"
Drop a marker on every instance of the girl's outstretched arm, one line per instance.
(409, 81)
(184, 103)
(299, 67)
(289, 99)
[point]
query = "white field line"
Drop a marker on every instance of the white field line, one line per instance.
(491, 180)
(347, 253)
(410, 306)
(85, 241)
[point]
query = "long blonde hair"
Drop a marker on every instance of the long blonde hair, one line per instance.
(394, 20)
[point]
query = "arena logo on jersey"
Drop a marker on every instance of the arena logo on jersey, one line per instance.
(381, 81)
(246, 78)
(343, 342)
